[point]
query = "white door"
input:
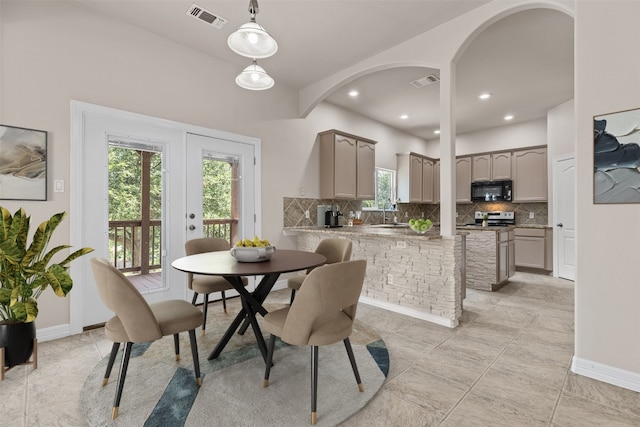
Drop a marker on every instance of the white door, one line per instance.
(95, 128)
(237, 189)
(564, 233)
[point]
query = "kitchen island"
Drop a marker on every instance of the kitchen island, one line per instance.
(420, 275)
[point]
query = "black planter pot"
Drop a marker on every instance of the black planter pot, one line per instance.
(17, 340)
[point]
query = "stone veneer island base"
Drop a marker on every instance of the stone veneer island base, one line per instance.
(417, 275)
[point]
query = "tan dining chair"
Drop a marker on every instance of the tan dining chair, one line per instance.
(137, 321)
(334, 250)
(206, 285)
(322, 314)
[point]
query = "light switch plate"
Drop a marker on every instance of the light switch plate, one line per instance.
(58, 186)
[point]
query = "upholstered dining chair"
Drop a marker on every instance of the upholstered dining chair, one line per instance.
(206, 285)
(334, 250)
(322, 314)
(137, 321)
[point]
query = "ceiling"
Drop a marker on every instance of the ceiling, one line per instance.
(525, 59)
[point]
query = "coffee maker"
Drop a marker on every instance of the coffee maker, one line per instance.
(328, 216)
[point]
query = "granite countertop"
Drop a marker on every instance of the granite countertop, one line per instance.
(371, 230)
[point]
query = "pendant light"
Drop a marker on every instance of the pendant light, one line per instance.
(251, 39)
(254, 77)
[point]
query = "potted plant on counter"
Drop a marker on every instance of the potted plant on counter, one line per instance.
(26, 270)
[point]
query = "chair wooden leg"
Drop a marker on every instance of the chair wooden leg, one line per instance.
(352, 359)
(194, 355)
(293, 295)
(123, 373)
(205, 306)
(224, 301)
(195, 298)
(176, 345)
(314, 384)
(112, 358)
(267, 370)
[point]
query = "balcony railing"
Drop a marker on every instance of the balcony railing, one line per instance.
(127, 240)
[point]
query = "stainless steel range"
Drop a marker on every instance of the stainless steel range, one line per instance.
(494, 219)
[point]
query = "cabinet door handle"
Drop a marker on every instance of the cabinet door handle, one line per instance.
(559, 224)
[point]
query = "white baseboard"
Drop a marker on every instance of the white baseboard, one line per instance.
(53, 333)
(608, 374)
(410, 312)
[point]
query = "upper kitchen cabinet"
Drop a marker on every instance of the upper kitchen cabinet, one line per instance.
(366, 170)
(463, 179)
(529, 169)
(347, 166)
(492, 167)
(415, 178)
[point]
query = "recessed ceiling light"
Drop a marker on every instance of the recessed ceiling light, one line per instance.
(508, 117)
(485, 96)
(437, 131)
(404, 116)
(353, 93)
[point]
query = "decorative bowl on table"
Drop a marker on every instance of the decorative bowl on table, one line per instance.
(253, 254)
(421, 225)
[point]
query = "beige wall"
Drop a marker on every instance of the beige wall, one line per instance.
(608, 271)
(506, 137)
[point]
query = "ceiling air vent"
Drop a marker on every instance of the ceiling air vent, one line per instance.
(425, 81)
(206, 16)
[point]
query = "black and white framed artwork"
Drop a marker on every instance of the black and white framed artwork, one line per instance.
(616, 158)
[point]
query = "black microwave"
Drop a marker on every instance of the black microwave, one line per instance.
(491, 191)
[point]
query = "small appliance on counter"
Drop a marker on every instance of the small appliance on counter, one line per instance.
(328, 216)
(494, 219)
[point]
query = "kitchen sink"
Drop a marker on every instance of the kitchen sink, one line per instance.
(396, 225)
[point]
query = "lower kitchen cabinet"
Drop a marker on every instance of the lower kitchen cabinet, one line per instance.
(533, 248)
(490, 258)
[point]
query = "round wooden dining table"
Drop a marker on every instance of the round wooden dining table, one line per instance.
(223, 264)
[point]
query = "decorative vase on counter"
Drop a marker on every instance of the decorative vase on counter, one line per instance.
(484, 222)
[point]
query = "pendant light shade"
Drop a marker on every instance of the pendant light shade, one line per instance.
(251, 39)
(254, 77)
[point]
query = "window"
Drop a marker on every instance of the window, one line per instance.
(385, 190)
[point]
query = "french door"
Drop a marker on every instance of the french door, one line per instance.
(219, 204)
(180, 154)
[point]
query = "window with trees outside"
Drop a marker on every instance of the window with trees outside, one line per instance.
(385, 190)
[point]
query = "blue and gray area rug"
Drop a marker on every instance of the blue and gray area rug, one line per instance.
(162, 392)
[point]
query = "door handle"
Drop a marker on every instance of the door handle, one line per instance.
(192, 227)
(192, 216)
(559, 224)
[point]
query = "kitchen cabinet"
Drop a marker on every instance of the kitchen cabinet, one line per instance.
(491, 166)
(347, 166)
(366, 170)
(490, 257)
(436, 181)
(505, 267)
(463, 180)
(529, 171)
(415, 177)
(533, 248)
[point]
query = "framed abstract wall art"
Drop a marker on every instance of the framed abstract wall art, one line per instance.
(23, 163)
(616, 157)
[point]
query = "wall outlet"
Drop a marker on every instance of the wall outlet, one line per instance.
(456, 214)
(306, 214)
(422, 214)
(301, 191)
(390, 279)
(532, 215)
(401, 244)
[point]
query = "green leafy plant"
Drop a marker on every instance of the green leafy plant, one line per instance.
(26, 270)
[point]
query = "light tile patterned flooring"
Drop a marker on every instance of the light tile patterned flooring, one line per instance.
(507, 364)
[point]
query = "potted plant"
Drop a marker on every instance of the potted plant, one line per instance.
(26, 270)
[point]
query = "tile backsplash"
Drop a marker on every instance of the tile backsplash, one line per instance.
(294, 209)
